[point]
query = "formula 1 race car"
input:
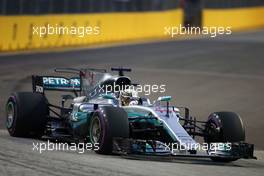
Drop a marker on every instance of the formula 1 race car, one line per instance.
(102, 109)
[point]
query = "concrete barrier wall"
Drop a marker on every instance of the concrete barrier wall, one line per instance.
(17, 31)
(237, 18)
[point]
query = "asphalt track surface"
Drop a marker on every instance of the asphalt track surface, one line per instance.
(206, 75)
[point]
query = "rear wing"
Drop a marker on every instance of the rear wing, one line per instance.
(57, 83)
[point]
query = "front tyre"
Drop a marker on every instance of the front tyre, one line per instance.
(223, 127)
(105, 124)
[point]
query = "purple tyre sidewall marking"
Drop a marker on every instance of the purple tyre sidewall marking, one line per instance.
(102, 126)
(217, 122)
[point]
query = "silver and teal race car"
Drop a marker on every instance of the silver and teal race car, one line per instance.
(97, 111)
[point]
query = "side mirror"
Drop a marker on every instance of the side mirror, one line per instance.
(109, 96)
(167, 100)
(164, 98)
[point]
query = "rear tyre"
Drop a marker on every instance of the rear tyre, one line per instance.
(26, 114)
(106, 123)
(224, 127)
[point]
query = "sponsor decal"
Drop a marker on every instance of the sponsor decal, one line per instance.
(61, 83)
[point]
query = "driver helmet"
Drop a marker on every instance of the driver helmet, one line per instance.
(129, 97)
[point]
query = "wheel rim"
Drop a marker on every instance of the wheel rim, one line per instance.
(10, 110)
(95, 130)
(213, 132)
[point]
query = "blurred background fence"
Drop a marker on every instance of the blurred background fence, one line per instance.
(16, 7)
(231, 3)
(10, 7)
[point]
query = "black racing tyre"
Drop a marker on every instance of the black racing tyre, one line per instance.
(26, 114)
(224, 127)
(105, 124)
